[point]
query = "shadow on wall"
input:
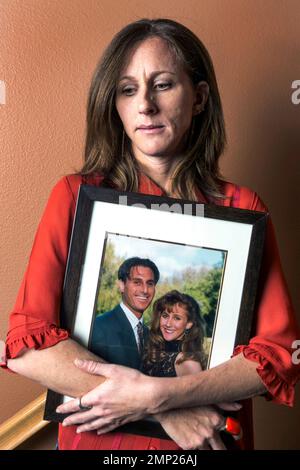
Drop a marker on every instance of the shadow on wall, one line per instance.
(45, 439)
(276, 426)
(268, 144)
(272, 140)
(276, 128)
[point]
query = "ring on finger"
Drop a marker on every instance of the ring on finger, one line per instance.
(82, 407)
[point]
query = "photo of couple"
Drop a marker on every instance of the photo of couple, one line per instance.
(146, 317)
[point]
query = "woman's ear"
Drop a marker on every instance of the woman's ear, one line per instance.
(189, 325)
(201, 97)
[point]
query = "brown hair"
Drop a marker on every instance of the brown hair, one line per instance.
(107, 148)
(192, 342)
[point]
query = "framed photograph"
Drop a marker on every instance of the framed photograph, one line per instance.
(194, 288)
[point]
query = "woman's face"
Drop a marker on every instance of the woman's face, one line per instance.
(156, 100)
(172, 323)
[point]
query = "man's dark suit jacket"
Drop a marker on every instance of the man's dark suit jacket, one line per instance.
(113, 339)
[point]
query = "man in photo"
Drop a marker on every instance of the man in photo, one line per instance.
(118, 335)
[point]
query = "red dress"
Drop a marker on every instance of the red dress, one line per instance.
(34, 321)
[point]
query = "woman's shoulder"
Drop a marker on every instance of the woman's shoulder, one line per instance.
(241, 197)
(71, 183)
(187, 367)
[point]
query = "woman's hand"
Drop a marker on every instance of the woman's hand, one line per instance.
(112, 406)
(111, 402)
(196, 428)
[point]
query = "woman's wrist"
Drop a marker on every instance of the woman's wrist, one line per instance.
(160, 393)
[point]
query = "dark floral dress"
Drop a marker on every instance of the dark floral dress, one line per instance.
(165, 366)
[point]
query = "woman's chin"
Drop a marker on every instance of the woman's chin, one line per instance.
(155, 153)
(157, 150)
(169, 337)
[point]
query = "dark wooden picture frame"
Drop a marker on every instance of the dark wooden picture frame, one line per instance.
(186, 212)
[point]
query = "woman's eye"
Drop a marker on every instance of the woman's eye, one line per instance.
(128, 91)
(162, 86)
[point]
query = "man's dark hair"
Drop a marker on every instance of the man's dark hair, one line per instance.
(125, 268)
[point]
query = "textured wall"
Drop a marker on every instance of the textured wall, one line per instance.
(48, 50)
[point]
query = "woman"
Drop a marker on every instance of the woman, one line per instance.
(175, 345)
(154, 125)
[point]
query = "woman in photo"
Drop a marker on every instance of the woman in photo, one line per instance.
(175, 344)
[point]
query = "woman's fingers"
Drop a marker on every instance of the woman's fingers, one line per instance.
(111, 400)
(230, 406)
(204, 446)
(79, 418)
(96, 424)
(216, 442)
(94, 367)
(69, 407)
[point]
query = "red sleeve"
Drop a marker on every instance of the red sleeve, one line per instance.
(275, 327)
(34, 320)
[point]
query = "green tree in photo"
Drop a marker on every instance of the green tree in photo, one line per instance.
(109, 295)
(207, 294)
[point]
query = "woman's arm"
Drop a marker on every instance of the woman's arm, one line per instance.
(54, 368)
(210, 386)
(197, 427)
(154, 395)
(187, 367)
(207, 387)
(34, 320)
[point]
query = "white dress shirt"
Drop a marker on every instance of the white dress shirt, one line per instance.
(133, 320)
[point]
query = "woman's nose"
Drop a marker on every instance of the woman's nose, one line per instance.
(147, 103)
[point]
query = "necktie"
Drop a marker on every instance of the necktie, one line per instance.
(140, 333)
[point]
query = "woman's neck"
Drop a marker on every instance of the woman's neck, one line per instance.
(160, 170)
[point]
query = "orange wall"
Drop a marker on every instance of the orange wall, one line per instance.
(48, 50)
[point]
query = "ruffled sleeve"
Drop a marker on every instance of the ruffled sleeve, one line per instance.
(275, 328)
(34, 320)
(38, 335)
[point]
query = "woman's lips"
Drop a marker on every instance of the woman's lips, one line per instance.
(151, 130)
(169, 332)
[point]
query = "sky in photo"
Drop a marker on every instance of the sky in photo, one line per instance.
(170, 258)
